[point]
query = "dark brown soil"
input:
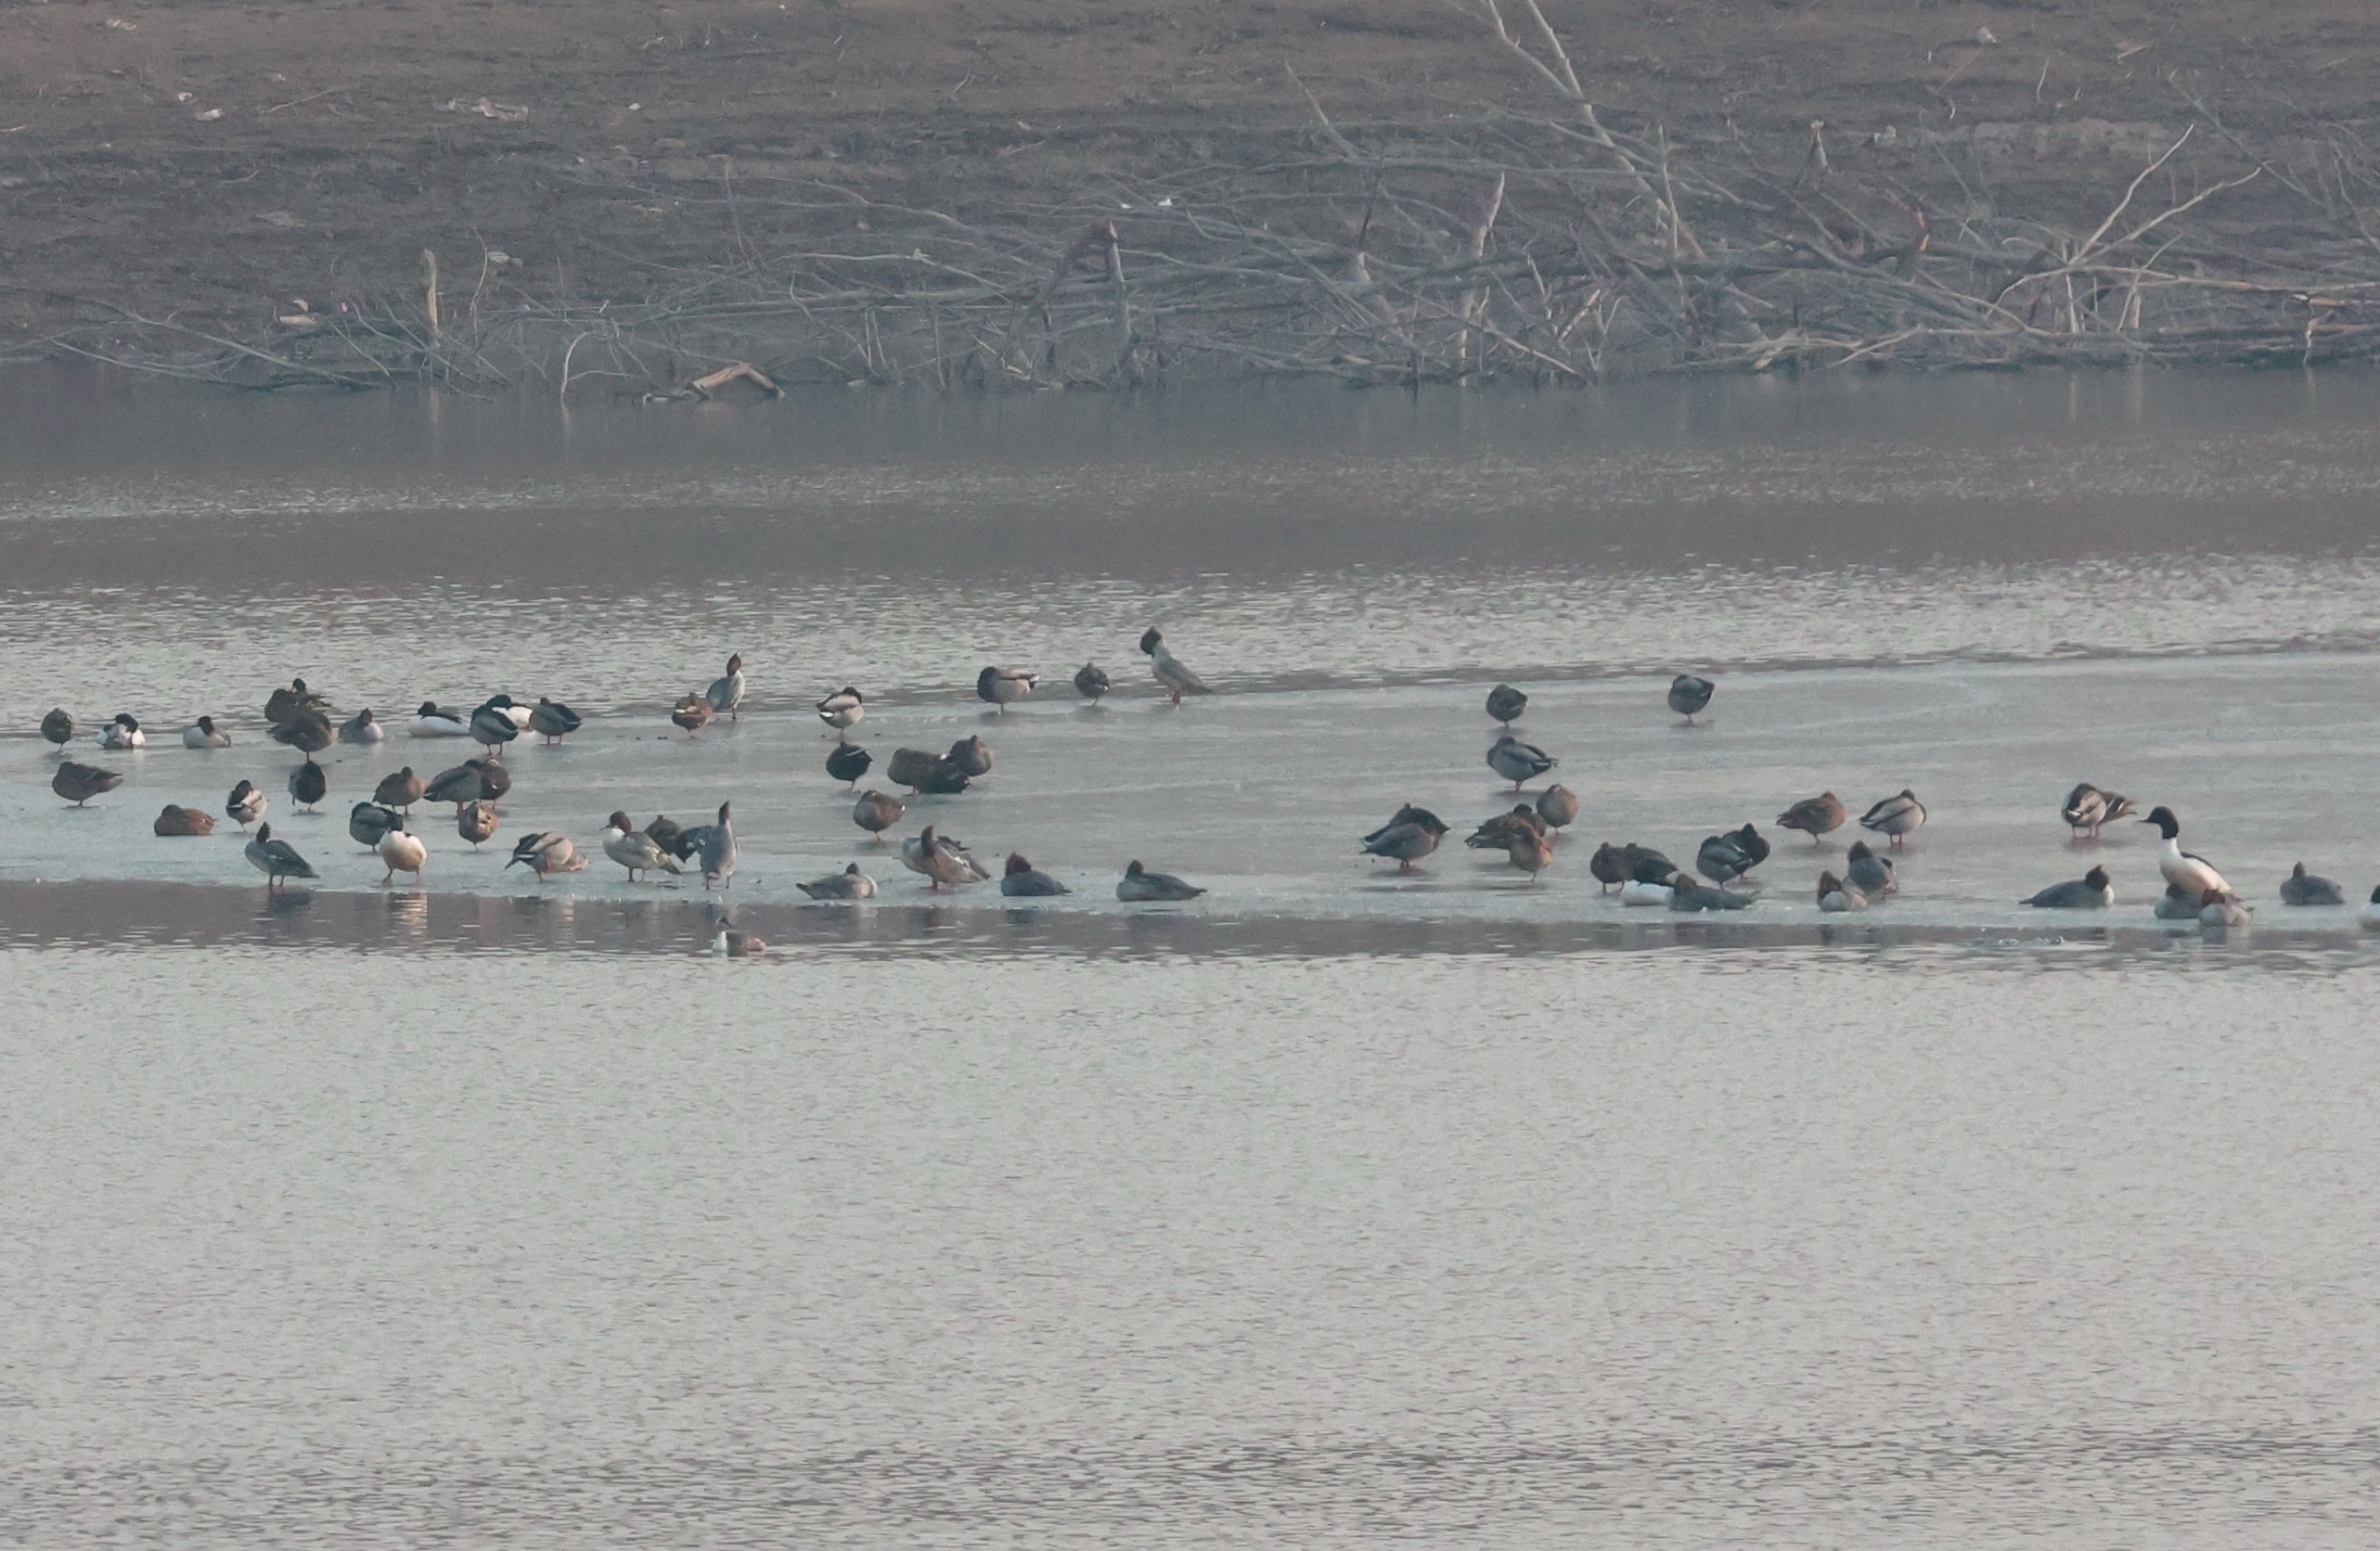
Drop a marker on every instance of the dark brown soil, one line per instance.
(348, 138)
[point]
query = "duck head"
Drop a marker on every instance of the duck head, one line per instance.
(619, 821)
(1135, 870)
(1150, 641)
(124, 720)
(2096, 878)
(207, 725)
(1827, 884)
(429, 708)
(1017, 863)
(735, 663)
(2166, 823)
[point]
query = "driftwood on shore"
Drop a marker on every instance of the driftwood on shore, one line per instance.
(1542, 247)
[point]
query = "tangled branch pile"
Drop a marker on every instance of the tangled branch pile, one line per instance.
(1542, 247)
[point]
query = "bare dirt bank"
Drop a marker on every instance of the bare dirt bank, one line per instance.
(913, 189)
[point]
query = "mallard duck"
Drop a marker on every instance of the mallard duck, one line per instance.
(1023, 880)
(246, 804)
(1000, 686)
(401, 791)
(361, 728)
(79, 783)
(552, 720)
(1505, 704)
(692, 713)
(436, 721)
(847, 762)
(971, 757)
(123, 734)
(1517, 762)
(1834, 896)
(275, 859)
(204, 734)
(1608, 865)
(367, 822)
(309, 732)
(1723, 858)
(284, 704)
(1179, 681)
(876, 813)
(1496, 833)
(1689, 694)
(1091, 682)
(848, 884)
(1870, 873)
(2304, 888)
(844, 709)
(1639, 863)
(1899, 816)
(714, 848)
(473, 780)
(58, 727)
(401, 853)
(726, 696)
(546, 852)
(634, 849)
(1814, 817)
(1645, 892)
(2192, 873)
(2220, 914)
(1687, 894)
(308, 783)
(2092, 890)
(1529, 850)
(943, 861)
(1139, 886)
(476, 820)
(175, 819)
(1557, 805)
(2087, 807)
(1405, 840)
(493, 725)
(923, 772)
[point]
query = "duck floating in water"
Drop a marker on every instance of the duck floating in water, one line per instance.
(309, 732)
(553, 721)
(476, 821)
(1836, 897)
(401, 791)
(2092, 890)
(1505, 704)
(848, 884)
(1139, 886)
(2304, 888)
(436, 721)
(945, 862)
(2220, 914)
(368, 822)
(546, 852)
(715, 849)
(1814, 817)
(204, 734)
(1899, 816)
(2087, 807)
(692, 713)
(725, 694)
(361, 728)
(1688, 895)
(275, 859)
(635, 849)
(58, 727)
(1023, 880)
(121, 733)
(1517, 762)
(175, 820)
(876, 813)
(79, 783)
(2187, 871)
(999, 685)
(847, 762)
(401, 853)
(1091, 682)
(971, 757)
(308, 783)
(246, 804)
(842, 710)
(1179, 680)
(1872, 875)
(1413, 834)
(1557, 805)
(1689, 694)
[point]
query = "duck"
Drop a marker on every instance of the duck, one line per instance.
(1023, 880)
(999, 685)
(725, 694)
(1619, 864)
(2219, 913)
(728, 942)
(2177, 904)
(1645, 892)
(401, 791)
(665, 833)
(123, 733)
(1689, 694)
(1687, 894)
(361, 728)
(275, 859)
(847, 762)
(175, 819)
(1608, 865)
(1091, 682)
(1530, 851)
(436, 721)
(1179, 680)
(940, 860)
(473, 780)
(58, 727)
(715, 849)
(2192, 874)
(1505, 704)
(635, 849)
(848, 884)
(692, 713)
(1870, 873)
(971, 757)
(876, 813)
(368, 822)
(842, 710)
(2304, 888)
(1836, 897)
(2091, 892)
(1497, 833)
(246, 804)
(308, 783)
(552, 720)
(401, 853)
(1517, 762)
(309, 732)
(1557, 805)
(1814, 817)
(546, 852)
(1899, 816)
(2087, 807)
(1406, 838)
(284, 704)
(493, 726)
(1723, 859)
(476, 820)
(204, 734)
(922, 771)
(2369, 916)
(1139, 886)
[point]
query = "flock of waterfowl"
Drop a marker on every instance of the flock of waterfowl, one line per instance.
(1526, 834)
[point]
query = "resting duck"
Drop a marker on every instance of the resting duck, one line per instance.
(1687, 894)
(58, 727)
(123, 733)
(848, 884)
(2092, 890)
(842, 710)
(1406, 838)
(1529, 850)
(692, 713)
(401, 853)
(361, 728)
(368, 823)
(1000, 686)
(1814, 817)
(1023, 880)
(283, 704)
(401, 791)
(1835, 897)
(1689, 694)
(552, 720)
(876, 813)
(246, 804)
(204, 734)
(494, 724)
(174, 819)
(971, 757)
(436, 721)
(2219, 913)
(1517, 762)
(1647, 891)
(847, 762)
(2304, 888)
(1505, 704)
(2087, 807)
(943, 861)
(1498, 833)
(1899, 816)
(545, 853)
(1139, 886)
(1557, 805)
(476, 821)
(309, 732)
(1091, 682)
(1872, 875)
(308, 783)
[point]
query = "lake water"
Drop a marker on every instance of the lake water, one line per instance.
(1335, 1209)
